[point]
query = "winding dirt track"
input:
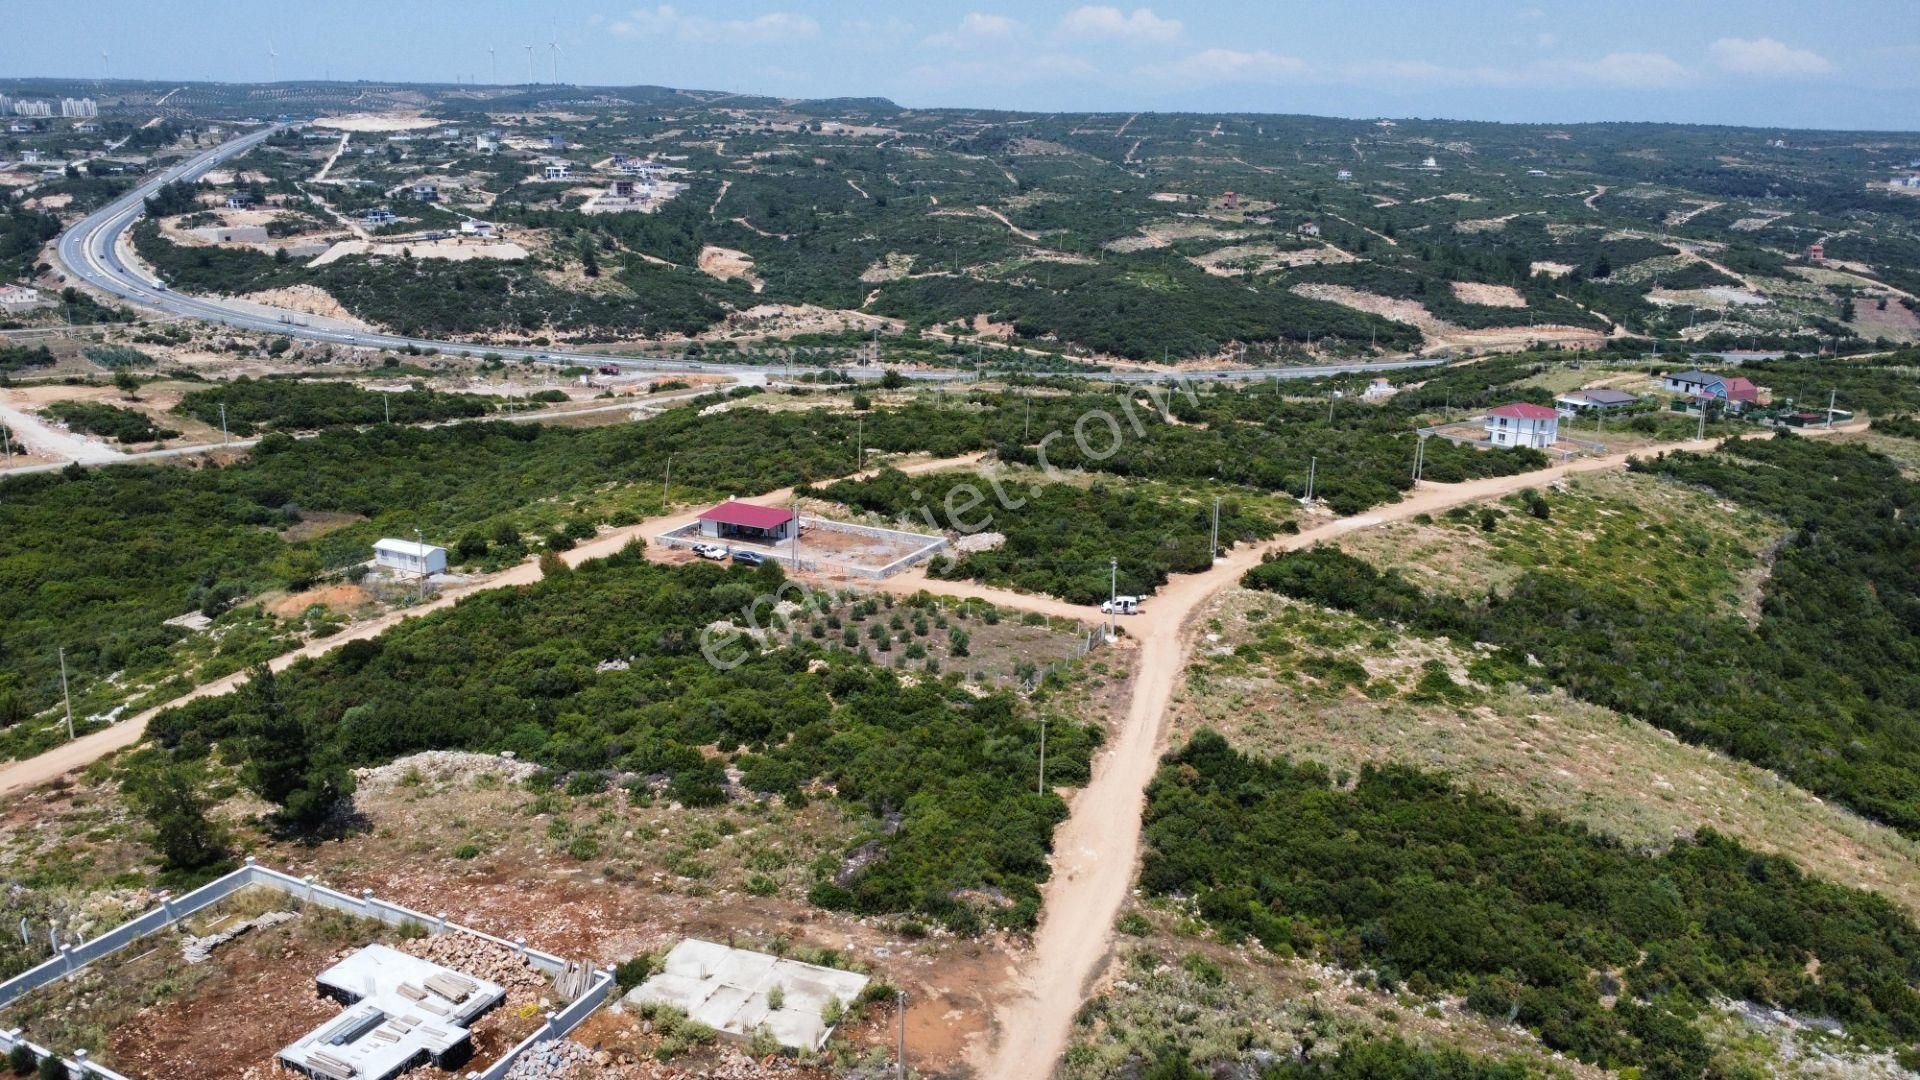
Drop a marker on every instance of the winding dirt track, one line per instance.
(1095, 850)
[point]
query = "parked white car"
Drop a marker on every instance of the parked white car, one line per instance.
(710, 551)
(1120, 605)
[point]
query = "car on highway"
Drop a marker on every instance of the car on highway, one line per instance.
(749, 558)
(710, 551)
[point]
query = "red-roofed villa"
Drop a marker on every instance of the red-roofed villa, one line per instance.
(736, 520)
(1523, 424)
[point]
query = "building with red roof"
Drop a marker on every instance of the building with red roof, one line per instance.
(1523, 424)
(736, 520)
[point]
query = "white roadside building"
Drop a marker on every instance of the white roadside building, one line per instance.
(1523, 424)
(409, 557)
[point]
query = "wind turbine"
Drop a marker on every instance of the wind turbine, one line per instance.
(106, 67)
(530, 80)
(555, 46)
(273, 62)
(493, 64)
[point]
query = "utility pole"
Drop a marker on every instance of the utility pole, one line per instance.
(386, 402)
(6, 436)
(223, 423)
(793, 507)
(1313, 466)
(1113, 593)
(1831, 396)
(900, 996)
(1213, 552)
(1419, 458)
(666, 486)
(1703, 420)
(1332, 396)
(420, 538)
(1043, 755)
(1027, 432)
(65, 694)
(860, 442)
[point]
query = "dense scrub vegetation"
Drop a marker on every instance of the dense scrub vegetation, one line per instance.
(23, 231)
(1360, 455)
(1059, 536)
(96, 559)
(108, 421)
(1141, 312)
(1905, 427)
(1881, 385)
(305, 405)
(117, 356)
(438, 296)
(1534, 919)
(1825, 690)
(519, 670)
(129, 547)
(15, 358)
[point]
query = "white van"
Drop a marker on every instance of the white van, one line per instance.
(1120, 605)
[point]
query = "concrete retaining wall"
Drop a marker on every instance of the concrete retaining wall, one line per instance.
(171, 910)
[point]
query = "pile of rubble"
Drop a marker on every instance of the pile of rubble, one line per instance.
(482, 959)
(980, 541)
(197, 950)
(561, 1059)
(565, 1059)
(445, 766)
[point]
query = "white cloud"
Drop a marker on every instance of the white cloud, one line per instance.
(1102, 22)
(977, 28)
(1001, 71)
(889, 32)
(670, 22)
(1210, 66)
(1766, 56)
(1632, 71)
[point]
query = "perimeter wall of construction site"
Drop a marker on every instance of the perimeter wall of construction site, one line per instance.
(72, 958)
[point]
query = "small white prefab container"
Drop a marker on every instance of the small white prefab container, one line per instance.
(409, 557)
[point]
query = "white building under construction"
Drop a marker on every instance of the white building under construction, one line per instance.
(401, 1012)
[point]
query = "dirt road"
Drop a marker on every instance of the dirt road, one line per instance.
(1095, 850)
(37, 435)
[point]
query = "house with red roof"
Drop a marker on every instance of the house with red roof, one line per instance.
(1734, 394)
(736, 520)
(1523, 424)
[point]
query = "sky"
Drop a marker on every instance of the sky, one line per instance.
(1767, 63)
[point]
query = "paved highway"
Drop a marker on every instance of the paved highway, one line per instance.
(91, 254)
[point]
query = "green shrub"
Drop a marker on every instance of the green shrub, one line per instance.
(1518, 911)
(631, 973)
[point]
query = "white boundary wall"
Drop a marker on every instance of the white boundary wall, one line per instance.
(171, 910)
(686, 536)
